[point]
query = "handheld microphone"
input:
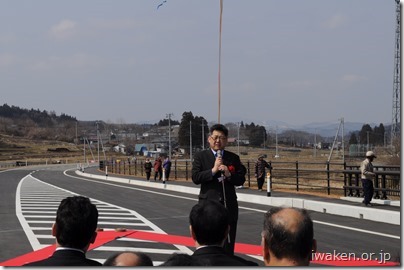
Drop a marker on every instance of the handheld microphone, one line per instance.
(219, 155)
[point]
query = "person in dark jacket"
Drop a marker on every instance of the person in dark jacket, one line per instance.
(219, 171)
(158, 169)
(74, 229)
(260, 166)
(209, 227)
(148, 168)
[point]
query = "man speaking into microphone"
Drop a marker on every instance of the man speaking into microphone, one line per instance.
(218, 172)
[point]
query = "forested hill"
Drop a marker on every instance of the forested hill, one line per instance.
(36, 124)
(40, 118)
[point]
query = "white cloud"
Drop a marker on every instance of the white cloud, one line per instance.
(115, 24)
(7, 39)
(78, 61)
(303, 84)
(352, 78)
(6, 60)
(64, 30)
(335, 21)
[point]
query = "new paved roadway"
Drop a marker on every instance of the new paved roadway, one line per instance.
(29, 198)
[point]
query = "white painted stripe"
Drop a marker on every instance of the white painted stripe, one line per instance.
(121, 223)
(246, 208)
(146, 250)
(336, 225)
(40, 212)
(356, 229)
(125, 239)
(114, 214)
(118, 218)
(41, 221)
(38, 216)
(30, 234)
(44, 236)
(45, 208)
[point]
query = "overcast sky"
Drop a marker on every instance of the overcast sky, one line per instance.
(296, 61)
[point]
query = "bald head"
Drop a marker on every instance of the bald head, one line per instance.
(289, 219)
(129, 259)
(288, 234)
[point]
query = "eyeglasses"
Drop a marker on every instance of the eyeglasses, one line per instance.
(215, 138)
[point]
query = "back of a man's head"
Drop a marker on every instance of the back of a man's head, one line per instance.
(179, 259)
(76, 222)
(288, 236)
(127, 258)
(209, 222)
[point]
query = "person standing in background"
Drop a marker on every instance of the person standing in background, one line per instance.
(260, 166)
(367, 176)
(158, 170)
(167, 167)
(148, 168)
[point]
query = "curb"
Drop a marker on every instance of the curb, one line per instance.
(360, 212)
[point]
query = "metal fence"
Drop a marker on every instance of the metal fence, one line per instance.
(325, 177)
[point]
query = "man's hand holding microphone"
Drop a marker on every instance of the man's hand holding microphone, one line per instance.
(219, 166)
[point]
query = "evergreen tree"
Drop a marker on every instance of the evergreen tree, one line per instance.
(353, 139)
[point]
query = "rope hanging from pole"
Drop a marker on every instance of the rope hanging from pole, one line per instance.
(220, 57)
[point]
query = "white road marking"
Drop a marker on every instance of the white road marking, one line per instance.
(27, 206)
(245, 208)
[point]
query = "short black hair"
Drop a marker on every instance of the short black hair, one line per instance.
(287, 244)
(209, 220)
(76, 222)
(219, 127)
(180, 259)
(144, 259)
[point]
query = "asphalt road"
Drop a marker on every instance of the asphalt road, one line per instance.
(161, 211)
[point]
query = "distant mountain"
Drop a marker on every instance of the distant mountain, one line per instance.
(324, 129)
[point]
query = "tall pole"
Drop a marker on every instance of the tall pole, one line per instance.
(203, 135)
(276, 141)
(190, 140)
(367, 136)
(220, 58)
(238, 138)
(343, 143)
(396, 121)
(315, 143)
(169, 135)
(98, 143)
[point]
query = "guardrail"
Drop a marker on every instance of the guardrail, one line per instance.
(328, 177)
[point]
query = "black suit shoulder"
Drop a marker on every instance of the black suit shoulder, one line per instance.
(65, 258)
(216, 256)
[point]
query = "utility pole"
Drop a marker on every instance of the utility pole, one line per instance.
(395, 125)
(367, 145)
(276, 142)
(343, 143)
(315, 143)
(238, 138)
(98, 143)
(203, 135)
(190, 140)
(169, 134)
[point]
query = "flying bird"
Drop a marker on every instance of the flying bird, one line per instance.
(161, 4)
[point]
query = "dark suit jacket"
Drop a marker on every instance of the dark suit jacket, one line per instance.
(210, 186)
(65, 258)
(212, 189)
(216, 256)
